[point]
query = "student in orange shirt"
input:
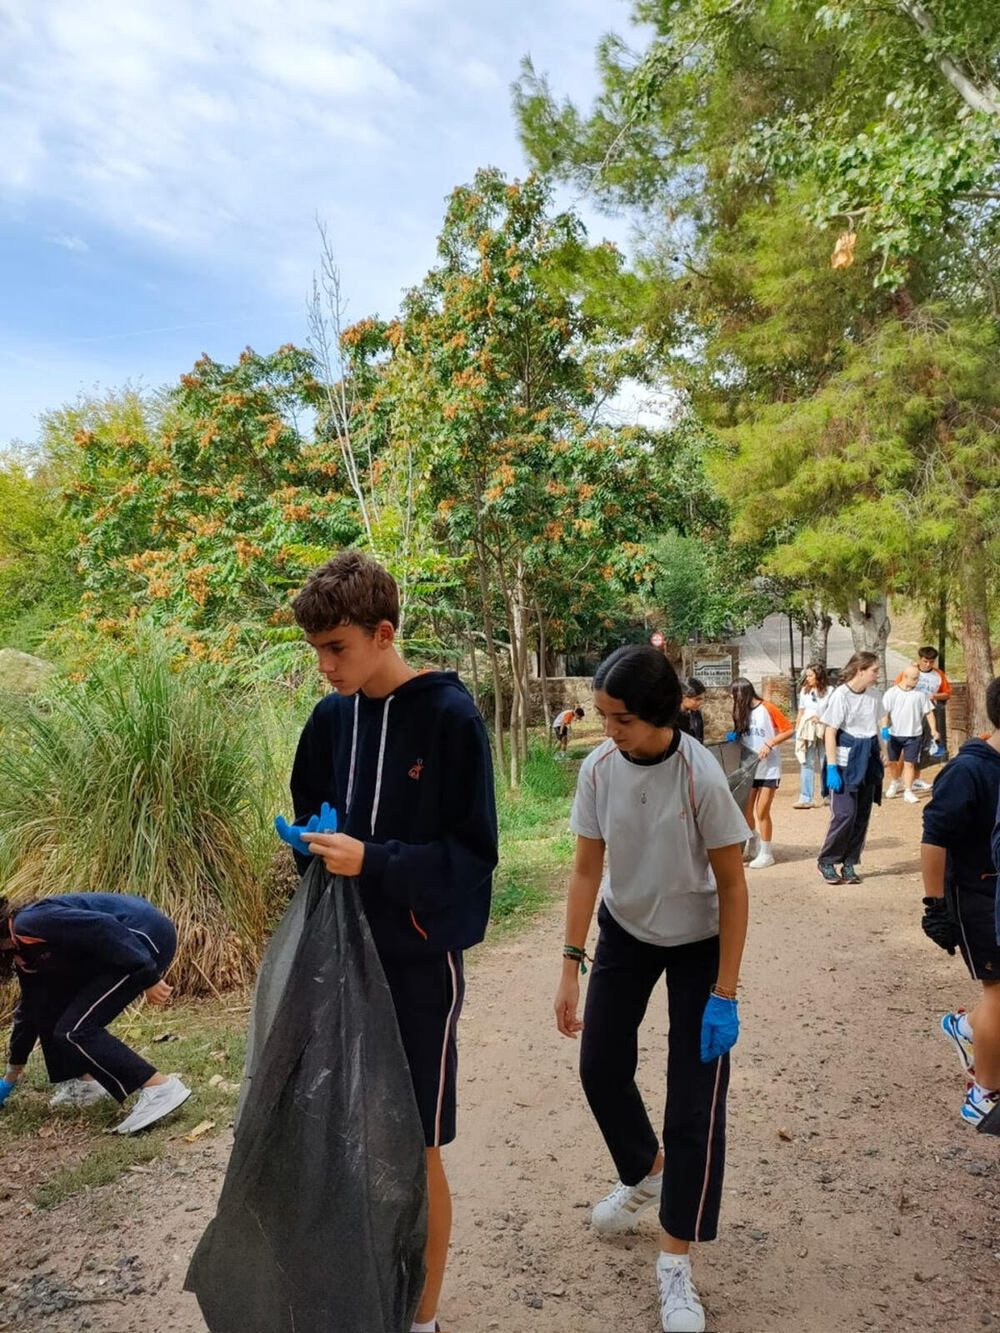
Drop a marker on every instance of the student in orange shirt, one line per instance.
(561, 725)
(935, 684)
(760, 727)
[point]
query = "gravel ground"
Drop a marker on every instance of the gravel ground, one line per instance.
(855, 1197)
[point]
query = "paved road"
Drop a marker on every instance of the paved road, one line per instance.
(764, 650)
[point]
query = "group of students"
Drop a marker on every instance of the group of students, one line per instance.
(837, 734)
(404, 758)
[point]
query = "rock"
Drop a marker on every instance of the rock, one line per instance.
(20, 673)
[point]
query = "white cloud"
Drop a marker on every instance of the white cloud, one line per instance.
(182, 121)
(193, 143)
(76, 243)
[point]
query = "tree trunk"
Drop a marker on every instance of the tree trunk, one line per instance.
(543, 674)
(518, 706)
(976, 635)
(491, 652)
(870, 624)
(818, 629)
(474, 670)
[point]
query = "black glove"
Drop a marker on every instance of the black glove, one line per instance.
(939, 925)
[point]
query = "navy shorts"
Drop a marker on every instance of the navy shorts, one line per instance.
(765, 782)
(428, 994)
(975, 912)
(905, 747)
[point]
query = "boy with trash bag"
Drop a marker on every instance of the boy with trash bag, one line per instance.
(404, 759)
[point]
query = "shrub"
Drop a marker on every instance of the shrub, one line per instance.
(150, 780)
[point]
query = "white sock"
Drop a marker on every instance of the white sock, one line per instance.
(423, 1328)
(765, 849)
(672, 1260)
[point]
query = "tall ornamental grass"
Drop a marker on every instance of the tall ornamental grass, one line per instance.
(155, 781)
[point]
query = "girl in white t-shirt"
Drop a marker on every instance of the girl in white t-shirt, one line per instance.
(659, 831)
(761, 727)
(853, 766)
(809, 751)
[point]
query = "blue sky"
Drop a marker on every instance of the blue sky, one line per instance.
(165, 160)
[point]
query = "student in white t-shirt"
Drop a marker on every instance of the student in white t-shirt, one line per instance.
(761, 727)
(906, 707)
(853, 767)
(816, 690)
(658, 830)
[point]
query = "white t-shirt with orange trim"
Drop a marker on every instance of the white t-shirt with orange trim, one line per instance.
(657, 822)
(766, 721)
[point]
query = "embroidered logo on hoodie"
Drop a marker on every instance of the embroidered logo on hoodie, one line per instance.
(416, 770)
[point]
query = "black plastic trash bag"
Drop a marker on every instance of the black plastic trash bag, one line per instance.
(741, 777)
(322, 1220)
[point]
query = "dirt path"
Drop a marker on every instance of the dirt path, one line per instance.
(855, 1199)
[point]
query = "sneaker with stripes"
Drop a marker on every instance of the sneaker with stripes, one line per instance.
(956, 1028)
(681, 1310)
(622, 1208)
(979, 1102)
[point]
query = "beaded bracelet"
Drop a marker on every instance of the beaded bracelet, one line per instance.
(724, 994)
(576, 955)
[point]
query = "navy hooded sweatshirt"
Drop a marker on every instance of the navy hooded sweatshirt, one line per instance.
(84, 935)
(411, 776)
(961, 815)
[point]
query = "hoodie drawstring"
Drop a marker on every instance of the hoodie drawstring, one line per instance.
(354, 755)
(381, 758)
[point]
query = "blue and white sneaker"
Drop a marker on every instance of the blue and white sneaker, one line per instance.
(951, 1026)
(978, 1104)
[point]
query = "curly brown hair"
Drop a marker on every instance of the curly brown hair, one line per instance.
(350, 589)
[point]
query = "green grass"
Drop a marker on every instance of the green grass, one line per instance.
(536, 846)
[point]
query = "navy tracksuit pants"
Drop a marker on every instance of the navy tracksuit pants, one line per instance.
(69, 1013)
(850, 813)
(624, 974)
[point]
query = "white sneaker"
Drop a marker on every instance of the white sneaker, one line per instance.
(893, 789)
(153, 1104)
(78, 1092)
(680, 1309)
(910, 799)
(621, 1209)
(920, 785)
(761, 861)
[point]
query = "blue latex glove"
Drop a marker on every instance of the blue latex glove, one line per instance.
(324, 822)
(935, 749)
(833, 779)
(732, 735)
(884, 733)
(6, 1088)
(720, 1027)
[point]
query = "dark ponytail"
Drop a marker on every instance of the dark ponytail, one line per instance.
(645, 682)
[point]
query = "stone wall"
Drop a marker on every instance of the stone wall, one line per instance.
(564, 692)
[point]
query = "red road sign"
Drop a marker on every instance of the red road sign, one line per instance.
(657, 639)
